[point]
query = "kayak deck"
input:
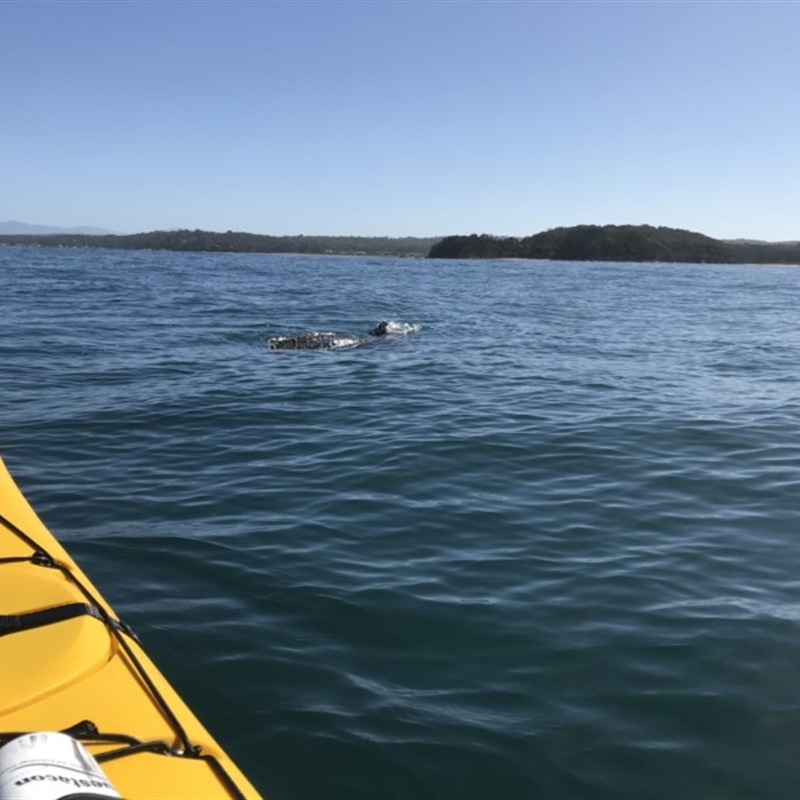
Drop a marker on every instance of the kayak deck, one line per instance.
(67, 663)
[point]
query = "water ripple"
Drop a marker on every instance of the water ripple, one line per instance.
(544, 546)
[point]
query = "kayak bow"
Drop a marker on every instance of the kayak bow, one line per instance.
(68, 664)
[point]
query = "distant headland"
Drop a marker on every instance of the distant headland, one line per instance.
(619, 243)
(232, 242)
(642, 243)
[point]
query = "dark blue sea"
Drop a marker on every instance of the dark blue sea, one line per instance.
(543, 544)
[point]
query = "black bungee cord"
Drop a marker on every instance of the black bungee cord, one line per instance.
(86, 730)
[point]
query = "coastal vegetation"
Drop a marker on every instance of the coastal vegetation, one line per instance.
(643, 243)
(233, 242)
(618, 243)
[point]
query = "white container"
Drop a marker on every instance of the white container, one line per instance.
(51, 766)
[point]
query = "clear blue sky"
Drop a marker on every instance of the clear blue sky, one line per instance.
(401, 118)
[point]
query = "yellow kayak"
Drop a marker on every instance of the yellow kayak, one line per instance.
(69, 665)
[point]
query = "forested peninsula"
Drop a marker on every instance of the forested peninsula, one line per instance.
(619, 243)
(232, 242)
(643, 243)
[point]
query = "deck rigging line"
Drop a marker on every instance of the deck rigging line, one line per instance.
(87, 730)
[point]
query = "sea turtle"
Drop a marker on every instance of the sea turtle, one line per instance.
(317, 340)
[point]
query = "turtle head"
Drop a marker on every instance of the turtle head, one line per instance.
(381, 329)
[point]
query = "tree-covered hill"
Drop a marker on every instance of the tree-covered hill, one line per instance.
(580, 243)
(618, 243)
(233, 242)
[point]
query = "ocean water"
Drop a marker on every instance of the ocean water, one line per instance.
(545, 544)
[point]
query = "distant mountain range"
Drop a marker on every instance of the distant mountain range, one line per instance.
(15, 228)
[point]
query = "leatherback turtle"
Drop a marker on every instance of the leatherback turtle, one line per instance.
(326, 340)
